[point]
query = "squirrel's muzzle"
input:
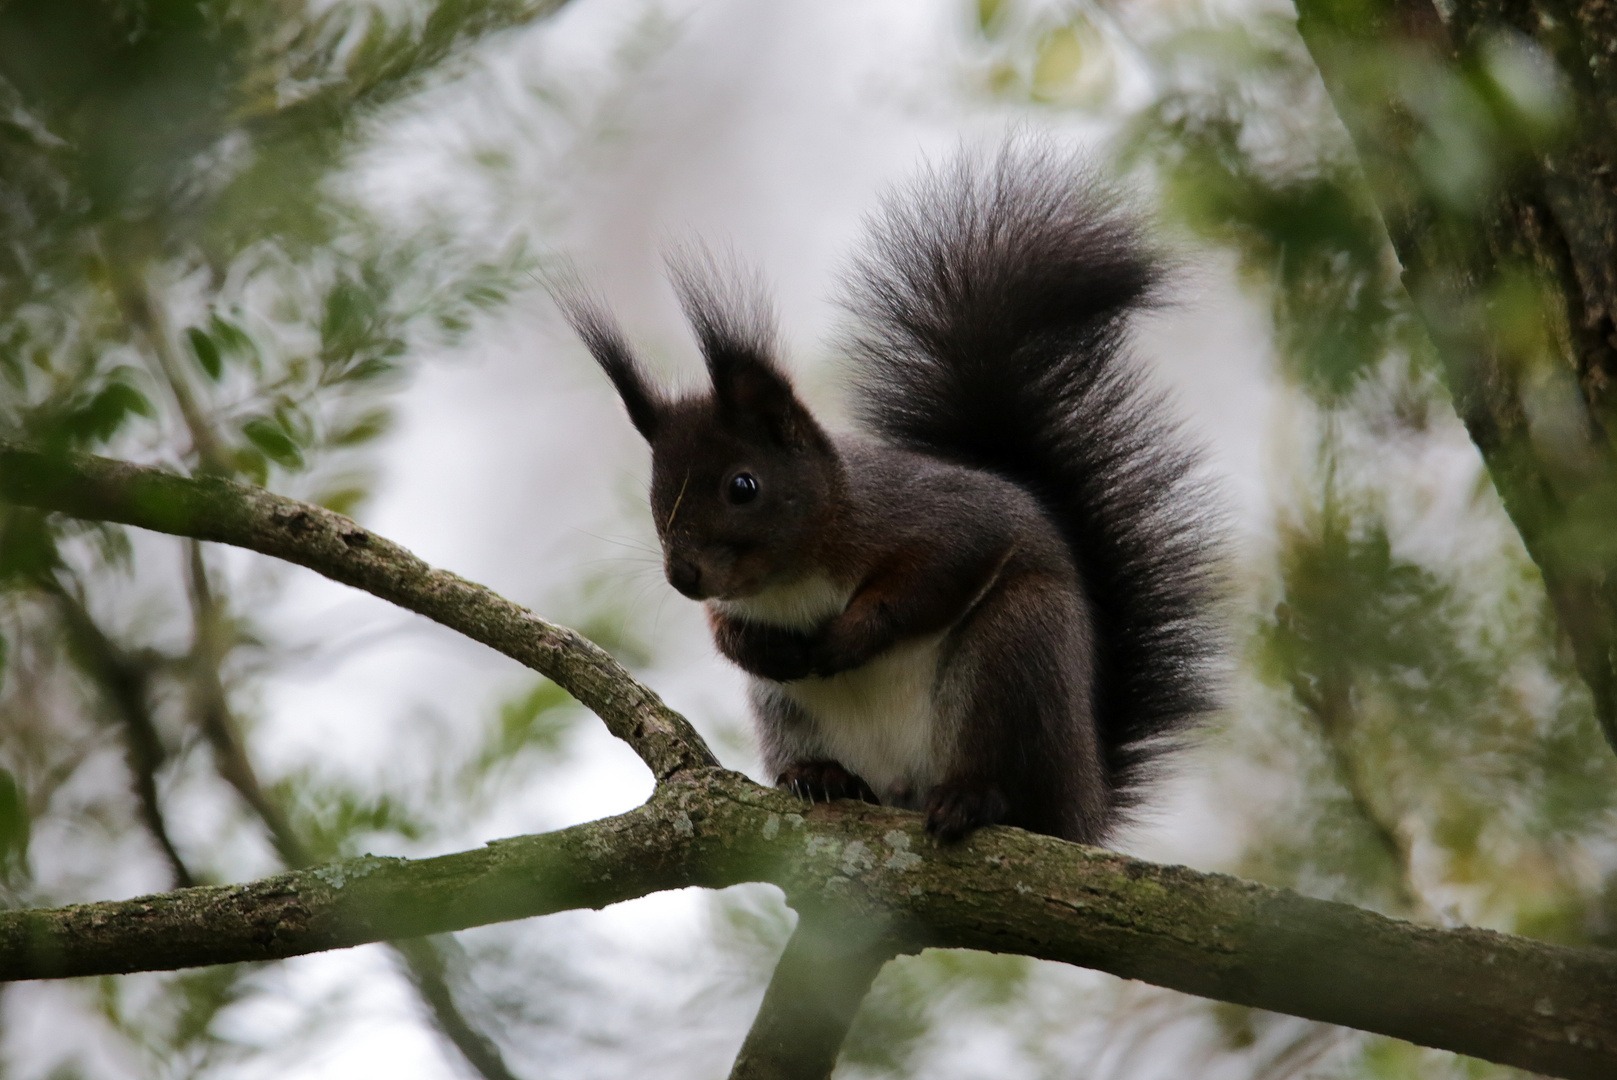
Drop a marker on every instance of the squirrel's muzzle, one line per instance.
(686, 576)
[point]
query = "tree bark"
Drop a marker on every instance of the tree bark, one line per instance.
(1542, 1007)
(813, 996)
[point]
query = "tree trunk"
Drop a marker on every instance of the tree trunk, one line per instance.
(1515, 277)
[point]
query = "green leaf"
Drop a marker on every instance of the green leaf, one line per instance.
(294, 421)
(100, 418)
(1061, 57)
(201, 995)
(990, 17)
(342, 500)
(348, 315)
(231, 338)
(206, 352)
(330, 816)
(365, 370)
(27, 546)
(271, 438)
(363, 430)
(251, 463)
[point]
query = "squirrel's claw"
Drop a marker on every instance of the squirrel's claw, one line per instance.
(822, 781)
(956, 808)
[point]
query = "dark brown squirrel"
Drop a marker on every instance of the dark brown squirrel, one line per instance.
(993, 603)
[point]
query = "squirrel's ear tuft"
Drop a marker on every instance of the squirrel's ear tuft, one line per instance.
(753, 395)
(735, 327)
(605, 341)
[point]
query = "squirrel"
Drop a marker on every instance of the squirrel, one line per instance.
(993, 602)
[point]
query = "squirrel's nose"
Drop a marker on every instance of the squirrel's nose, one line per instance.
(686, 576)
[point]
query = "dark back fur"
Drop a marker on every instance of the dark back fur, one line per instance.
(992, 301)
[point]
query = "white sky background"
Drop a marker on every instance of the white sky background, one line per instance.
(771, 127)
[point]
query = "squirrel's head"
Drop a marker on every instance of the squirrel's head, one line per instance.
(744, 482)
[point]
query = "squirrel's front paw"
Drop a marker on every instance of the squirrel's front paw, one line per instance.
(783, 660)
(784, 656)
(769, 652)
(955, 808)
(822, 781)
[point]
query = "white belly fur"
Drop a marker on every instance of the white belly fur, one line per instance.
(880, 721)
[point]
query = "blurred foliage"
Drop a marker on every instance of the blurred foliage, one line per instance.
(1454, 767)
(1050, 54)
(190, 276)
(1449, 762)
(174, 231)
(1250, 154)
(169, 1023)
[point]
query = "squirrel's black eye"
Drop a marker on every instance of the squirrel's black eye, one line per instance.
(742, 488)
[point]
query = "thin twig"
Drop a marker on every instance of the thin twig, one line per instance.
(1332, 710)
(125, 683)
(211, 707)
(424, 959)
(145, 317)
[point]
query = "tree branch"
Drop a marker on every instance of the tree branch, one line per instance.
(342, 904)
(429, 971)
(1331, 706)
(127, 270)
(816, 990)
(226, 512)
(1542, 1007)
(210, 708)
(216, 509)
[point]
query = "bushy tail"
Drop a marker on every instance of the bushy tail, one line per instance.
(992, 302)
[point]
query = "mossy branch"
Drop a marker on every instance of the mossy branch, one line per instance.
(1546, 1008)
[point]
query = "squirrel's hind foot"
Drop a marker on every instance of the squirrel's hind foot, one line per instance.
(822, 781)
(955, 808)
